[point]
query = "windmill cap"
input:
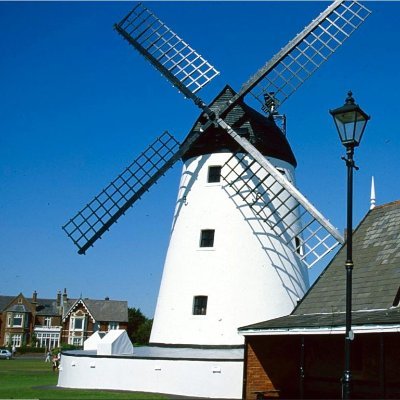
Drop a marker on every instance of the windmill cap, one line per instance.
(261, 131)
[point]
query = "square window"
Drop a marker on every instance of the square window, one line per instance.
(200, 305)
(214, 174)
(78, 324)
(17, 320)
(207, 238)
(16, 340)
(77, 341)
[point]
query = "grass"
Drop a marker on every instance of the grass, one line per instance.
(24, 378)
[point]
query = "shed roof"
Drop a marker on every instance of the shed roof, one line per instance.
(261, 131)
(376, 279)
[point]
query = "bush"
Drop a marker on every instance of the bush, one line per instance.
(28, 349)
(66, 346)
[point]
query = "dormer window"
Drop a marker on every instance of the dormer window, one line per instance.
(282, 171)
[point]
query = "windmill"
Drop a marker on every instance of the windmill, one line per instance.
(258, 186)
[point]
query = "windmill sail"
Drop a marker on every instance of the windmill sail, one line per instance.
(317, 236)
(302, 56)
(308, 234)
(111, 203)
(172, 56)
(92, 221)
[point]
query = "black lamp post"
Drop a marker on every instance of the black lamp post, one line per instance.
(350, 122)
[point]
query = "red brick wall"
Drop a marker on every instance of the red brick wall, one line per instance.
(273, 362)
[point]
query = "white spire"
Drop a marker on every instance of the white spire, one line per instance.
(373, 198)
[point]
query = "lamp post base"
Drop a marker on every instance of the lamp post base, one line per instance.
(346, 385)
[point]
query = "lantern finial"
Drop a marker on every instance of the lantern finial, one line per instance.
(350, 98)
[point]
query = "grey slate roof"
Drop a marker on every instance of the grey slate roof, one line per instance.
(43, 307)
(376, 279)
(101, 310)
(47, 307)
(261, 131)
(18, 308)
(5, 301)
(104, 310)
(108, 310)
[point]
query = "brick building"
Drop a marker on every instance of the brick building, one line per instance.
(302, 355)
(51, 322)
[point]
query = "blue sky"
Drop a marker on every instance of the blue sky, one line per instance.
(78, 104)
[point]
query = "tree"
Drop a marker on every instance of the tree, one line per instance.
(143, 332)
(139, 326)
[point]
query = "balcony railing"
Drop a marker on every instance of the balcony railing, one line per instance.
(42, 328)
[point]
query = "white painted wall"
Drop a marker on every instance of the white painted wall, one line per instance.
(189, 378)
(249, 275)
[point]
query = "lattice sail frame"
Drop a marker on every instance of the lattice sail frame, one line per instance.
(302, 56)
(166, 50)
(96, 217)
(294, 223)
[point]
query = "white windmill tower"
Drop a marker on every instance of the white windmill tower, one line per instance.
(225, 265)
(242, 235)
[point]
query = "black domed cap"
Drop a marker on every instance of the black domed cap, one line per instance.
(261, 131)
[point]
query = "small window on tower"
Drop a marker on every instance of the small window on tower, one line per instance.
(207, 238)
(299, 247)
(396, 300)
(214, 174)
(200, 305)
(282, 171)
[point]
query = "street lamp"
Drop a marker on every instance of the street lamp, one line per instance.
(350, 122)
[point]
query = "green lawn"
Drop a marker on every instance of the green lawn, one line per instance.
(34, 379)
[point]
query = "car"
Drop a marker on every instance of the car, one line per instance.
(6, 354)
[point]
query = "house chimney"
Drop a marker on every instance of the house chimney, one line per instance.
(34, 297)
(64, 296)
(107, 298)
(59, 298)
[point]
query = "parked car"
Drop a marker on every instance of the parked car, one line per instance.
(6, 354)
